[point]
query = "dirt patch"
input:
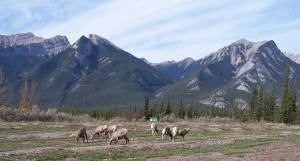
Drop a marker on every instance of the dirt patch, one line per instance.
(43, 136)
(206, 156)
(30, 151)
(277, 151)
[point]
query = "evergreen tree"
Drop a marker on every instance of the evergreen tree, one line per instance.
(196, 113)
(287, 111)
(270, 105)
(181, 111)
(260, 104)
(151, 113)
(298, 115)
(154, 113)
(285, 96)
(292, 108)
(168, 109)
(161, 108)
(190, 110)
(253, 103)
(146, 112)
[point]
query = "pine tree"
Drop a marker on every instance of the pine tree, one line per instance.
(151, 113)
(253, 103)
(260, 104)
(285, 96)
(190, 110)
(298, 115)
(154, 111)
(181, 111)
(270, 105)
(292, 108)
(287, 111)
(196, 113)
(161, 108)
(145, 112)
(168, 109)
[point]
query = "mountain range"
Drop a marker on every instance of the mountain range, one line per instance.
(95, 73)
(231, 71)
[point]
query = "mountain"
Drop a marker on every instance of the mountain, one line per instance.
(178, 70)
(94, 73)
(233, 70)
(294, 57)
(21, 52)
(27, 44)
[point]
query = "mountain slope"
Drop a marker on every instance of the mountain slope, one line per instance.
(233, 70)
(93, 72)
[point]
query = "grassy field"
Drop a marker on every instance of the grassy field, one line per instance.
(207, 141)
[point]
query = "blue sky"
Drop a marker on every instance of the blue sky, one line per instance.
(159, 30)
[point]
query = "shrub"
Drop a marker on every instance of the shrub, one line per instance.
(36, 114)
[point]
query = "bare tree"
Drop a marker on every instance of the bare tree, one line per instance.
(3, 89)
(28, 95)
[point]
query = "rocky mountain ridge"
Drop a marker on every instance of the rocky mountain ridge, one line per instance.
(29, 44)
(232, 69)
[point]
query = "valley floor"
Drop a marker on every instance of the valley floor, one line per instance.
(206, 141)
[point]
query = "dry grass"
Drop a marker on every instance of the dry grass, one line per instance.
(37, 114)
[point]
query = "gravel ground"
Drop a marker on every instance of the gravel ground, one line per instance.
(283, 151)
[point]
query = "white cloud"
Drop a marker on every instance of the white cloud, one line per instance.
(164, 30)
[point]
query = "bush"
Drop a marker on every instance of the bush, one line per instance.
(36, 114)
(168, 118)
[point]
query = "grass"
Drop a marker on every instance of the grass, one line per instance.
(228, 149)
(139, 133)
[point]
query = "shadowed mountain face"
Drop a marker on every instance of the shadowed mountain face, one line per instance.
(93, 72)
(233, 69)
